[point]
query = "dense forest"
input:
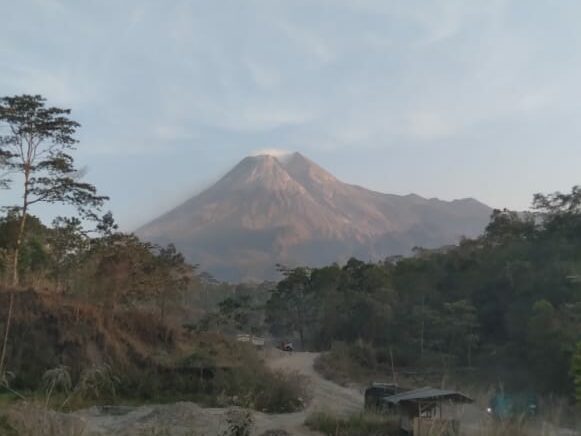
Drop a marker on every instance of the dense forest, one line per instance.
(507, 303)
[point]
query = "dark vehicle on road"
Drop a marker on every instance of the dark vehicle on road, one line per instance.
(286, 346)
(377, 391)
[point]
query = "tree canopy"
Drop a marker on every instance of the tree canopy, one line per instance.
(501, 302)
(35, 145)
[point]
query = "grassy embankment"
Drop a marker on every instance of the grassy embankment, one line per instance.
(65, 355)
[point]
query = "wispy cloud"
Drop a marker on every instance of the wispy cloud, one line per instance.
(276, 152)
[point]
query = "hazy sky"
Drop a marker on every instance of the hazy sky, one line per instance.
(443, 98)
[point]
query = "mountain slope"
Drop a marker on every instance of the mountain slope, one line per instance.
(291, 211)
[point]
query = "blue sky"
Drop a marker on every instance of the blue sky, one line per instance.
(443, 98)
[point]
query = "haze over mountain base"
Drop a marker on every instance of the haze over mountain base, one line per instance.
(270, 210)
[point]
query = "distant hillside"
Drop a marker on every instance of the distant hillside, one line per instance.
(291, 211)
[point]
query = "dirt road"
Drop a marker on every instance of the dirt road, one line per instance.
(326, 395)
(189, 419)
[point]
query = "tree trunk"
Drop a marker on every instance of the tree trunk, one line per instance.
(15, 280)
(394, 379)
(423, 328)
(162, 308)
(17, 248)
(6, 334)
(301, 324)
(470, 354)
(15, 277)
(21, 228)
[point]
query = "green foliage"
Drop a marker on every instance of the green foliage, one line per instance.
(277, 432)
(6, 429)
(354, 362)
(459, 316)
(89, 289)
(171, 276)
(290, 308)
(218, 372)
(65, 257)
(242, 312)
(68, 242)
(239, 422)
(34, 255)
(505, 300)
(267, 391)
(118, 270)
(57, 379)
(506, 226)
(366, 424)
(37, 145)
(97, 383)
(332, 303)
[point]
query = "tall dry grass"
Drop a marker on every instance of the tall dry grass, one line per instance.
(31, 419)
(364, 424)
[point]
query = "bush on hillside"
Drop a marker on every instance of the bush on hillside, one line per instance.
(357, 425)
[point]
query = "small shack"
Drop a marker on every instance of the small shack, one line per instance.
(422, 413)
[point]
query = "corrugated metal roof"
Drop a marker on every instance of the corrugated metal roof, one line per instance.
(428, 393)
(384, 385)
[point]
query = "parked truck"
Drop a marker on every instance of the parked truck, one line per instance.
(505, 405)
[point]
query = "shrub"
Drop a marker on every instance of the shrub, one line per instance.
(6, 428)
(28, 419)
(239, 422)
(348, 362)
(366, 424)
(517, 427)
(98, 383)
(260, 388)
(218, 373)
(576, 373)
(57, 379)
(280, 393)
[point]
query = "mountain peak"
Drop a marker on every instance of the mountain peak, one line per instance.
(279, 172)
(262, 171)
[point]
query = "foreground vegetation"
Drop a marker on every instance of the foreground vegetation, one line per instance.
(69, 358)
(357, 425)
(92, 315)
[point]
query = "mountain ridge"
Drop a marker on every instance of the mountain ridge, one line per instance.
(268, 210)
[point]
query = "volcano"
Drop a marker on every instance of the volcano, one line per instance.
(270, 210)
